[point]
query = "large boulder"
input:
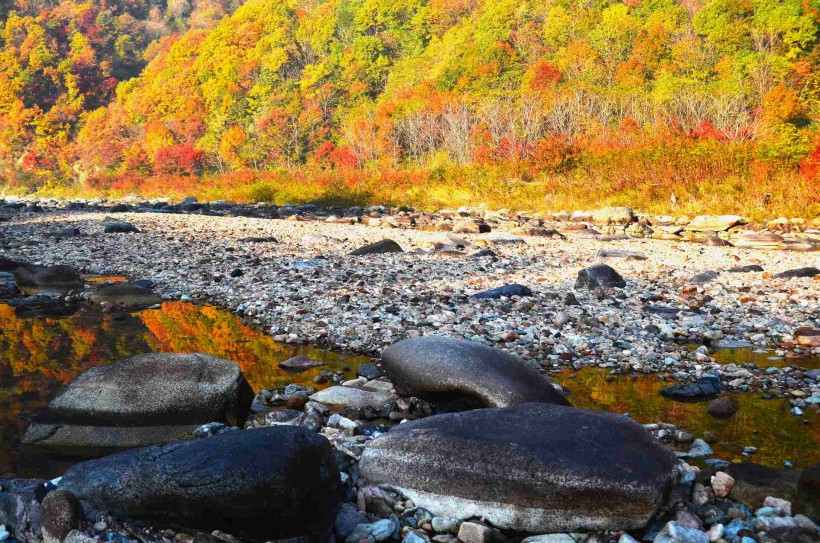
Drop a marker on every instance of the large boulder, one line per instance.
(536, 467)
(704, 387)
(125, 294)
(713, 223)
(599, 276)
(59, 279)
(120, 227)
(437, 367)
(8, 284)
(267, 484)
(144, 400)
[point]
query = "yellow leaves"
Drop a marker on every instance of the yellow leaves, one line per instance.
(781, 104)
(229, 146)
(157, 136)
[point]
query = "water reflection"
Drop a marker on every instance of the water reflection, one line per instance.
(764, 358)
(765, 424)
(38, 356)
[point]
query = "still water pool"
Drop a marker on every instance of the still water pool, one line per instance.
(40, 354)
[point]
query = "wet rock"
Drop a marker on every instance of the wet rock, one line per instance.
(380, 247)
(433, 366)
(714, 241)
(722, 408)
(599, 276)
(268, 483)
(125, 294)
(506, 290)
(352, 397)
(809, 271)
(712, 223)
(702, 388)
(796, 534)
(300, 362)
(47, 279)
(535, 467)
(120, 227)
(60, 513)
(147, 399)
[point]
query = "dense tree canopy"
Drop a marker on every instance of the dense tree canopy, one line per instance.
(131, 87)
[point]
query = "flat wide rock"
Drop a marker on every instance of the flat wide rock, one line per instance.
(126, 294)
(536, 468)
(268, 484)
(439, 366)
(144, 400)
(59, 279)
(352, 397)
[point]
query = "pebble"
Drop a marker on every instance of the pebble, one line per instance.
(471, 532)
(722, 484)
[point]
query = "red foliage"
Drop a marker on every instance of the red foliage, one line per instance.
(181, 159)
(810, 165)
(544, 74)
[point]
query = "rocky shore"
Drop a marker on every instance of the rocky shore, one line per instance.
(457, 434)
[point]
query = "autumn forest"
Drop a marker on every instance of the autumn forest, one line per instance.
(670, 105)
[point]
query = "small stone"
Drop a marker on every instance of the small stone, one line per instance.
(443, 525)
(722, 484)
(472, 532)
(715, 533)
(779, 503)
(674, 532)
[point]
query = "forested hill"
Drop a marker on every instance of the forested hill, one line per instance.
(91, 93)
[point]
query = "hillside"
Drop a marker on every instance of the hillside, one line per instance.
(427, 102)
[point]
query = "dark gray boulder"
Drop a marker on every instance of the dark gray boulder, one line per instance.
(125, 294)
(59, 279)
(120, 227)
(8, 284)
(599, 276)
(536, 468)
(506, 290)
(749, 268)
(267, 484)
(808, 491)
(300, 362)
(380, 247)
(144, 400)
(809, 271)
(437, 367)
(704, 277)
(702, 388)
(9, 265)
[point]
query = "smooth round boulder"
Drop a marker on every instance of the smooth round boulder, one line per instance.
(59, 279)
(599, 276)
(125, 294)
(144, 400)
(540, 468)
(438, 367)
(267, 484)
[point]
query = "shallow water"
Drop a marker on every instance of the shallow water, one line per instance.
(763, 358)
(39, 355)
(765, 424)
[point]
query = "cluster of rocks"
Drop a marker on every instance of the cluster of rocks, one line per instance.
(310, 463)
